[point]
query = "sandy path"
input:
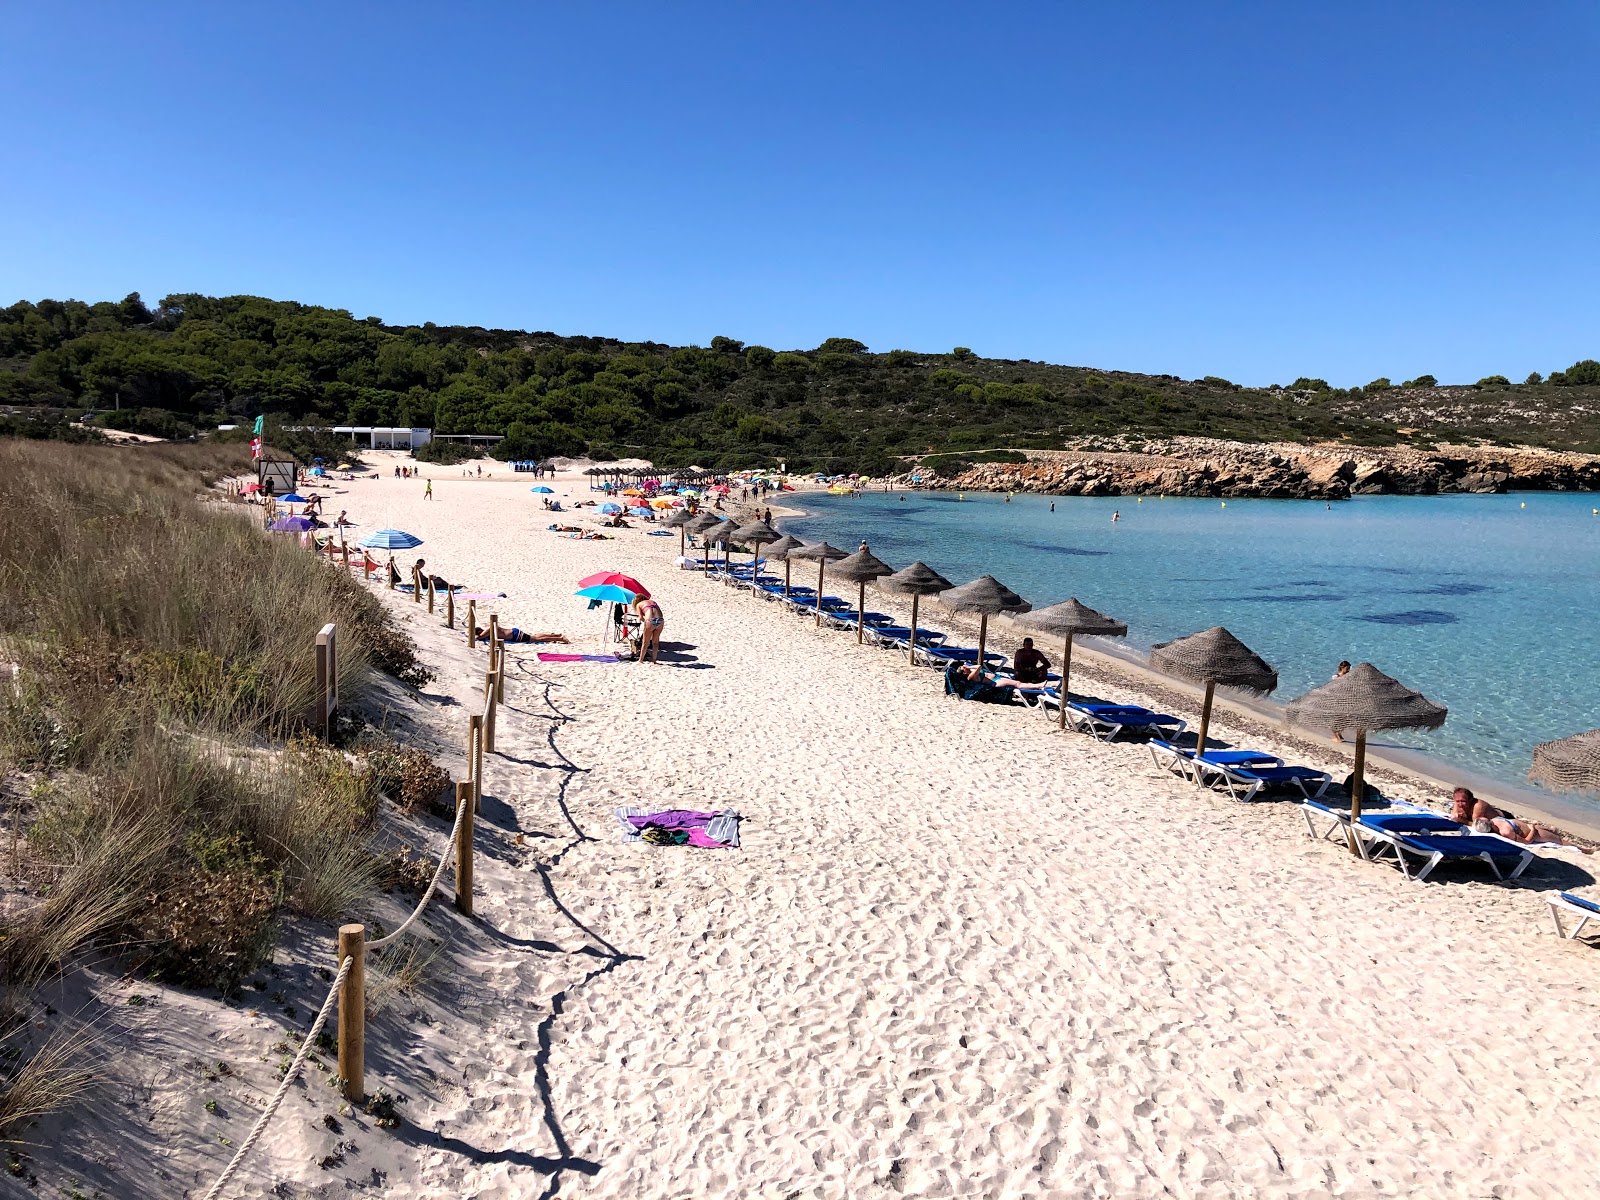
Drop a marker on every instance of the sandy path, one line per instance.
(959, 953)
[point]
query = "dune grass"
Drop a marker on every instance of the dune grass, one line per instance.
(164, 647)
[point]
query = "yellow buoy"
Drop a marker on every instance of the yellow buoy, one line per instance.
(1524, 504)
(1224, 504)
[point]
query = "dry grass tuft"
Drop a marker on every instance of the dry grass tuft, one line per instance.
(51, 1079)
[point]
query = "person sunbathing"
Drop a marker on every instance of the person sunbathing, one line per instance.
(565, 528)
(1467, 809)
(973, 673)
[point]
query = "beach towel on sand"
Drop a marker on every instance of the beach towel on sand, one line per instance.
(708, 830)
(545, 656)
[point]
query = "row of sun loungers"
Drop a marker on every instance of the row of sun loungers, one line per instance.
(1417, 840)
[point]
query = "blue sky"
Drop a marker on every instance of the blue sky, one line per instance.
(1257, 191)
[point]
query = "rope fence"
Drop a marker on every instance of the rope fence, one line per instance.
(348, 990)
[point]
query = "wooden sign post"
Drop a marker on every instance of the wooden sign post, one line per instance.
(327, 678)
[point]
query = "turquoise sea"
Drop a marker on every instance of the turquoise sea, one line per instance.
(1486, 604)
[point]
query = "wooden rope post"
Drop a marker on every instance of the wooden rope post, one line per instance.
(450, 608)
(416, 586)
(500, 672)
(464, 849)
(472, 624)
(327, 678)
(475, 759)
(352, 1013)
(430, 594)
(494, 634)
(345, 547)
(366, 564)
(491, 682)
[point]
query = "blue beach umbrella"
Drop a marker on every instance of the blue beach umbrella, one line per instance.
(547, 491)
(292, 498)
(640, 511)
(606, 592)
(611, 508)
(390, 539)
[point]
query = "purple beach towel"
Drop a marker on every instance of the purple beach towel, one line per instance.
(707, 830)
(546, 656)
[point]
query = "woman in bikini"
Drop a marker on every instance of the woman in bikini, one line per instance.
(1486, 818)
(651, 623)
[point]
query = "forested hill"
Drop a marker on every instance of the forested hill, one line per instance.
(195, 361)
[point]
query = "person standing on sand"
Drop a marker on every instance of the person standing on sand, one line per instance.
(1344, 669)
(427, 492)
(651, 622)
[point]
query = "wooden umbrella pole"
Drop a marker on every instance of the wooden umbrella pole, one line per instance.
(822, 567)
(683, 538)
(911, 656)
(1066, 674)
(1357, 787)
(983, 636)
(787, 567)
(1205, 724)
(861, 610)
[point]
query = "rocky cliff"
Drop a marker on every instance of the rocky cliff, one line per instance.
(1204, 467)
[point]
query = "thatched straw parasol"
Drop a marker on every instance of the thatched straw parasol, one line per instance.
(755, 534)
(823, 554)
(1364, 699)
(860, 568)
(986, 596)
(917, 580)
(680, 521)
(1212, 657)
(724, 535)
(779, 552)
(1068, 619)
(1570, 765)
(704, 524)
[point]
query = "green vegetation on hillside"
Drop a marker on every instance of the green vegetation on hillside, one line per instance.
(196, 361)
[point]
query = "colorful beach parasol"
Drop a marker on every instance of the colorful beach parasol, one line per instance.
(292, 525)
(615, 579)
(390, 539)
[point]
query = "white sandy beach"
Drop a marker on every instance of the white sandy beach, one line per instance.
(958, 953)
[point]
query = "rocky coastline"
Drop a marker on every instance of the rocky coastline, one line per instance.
(1274, 471)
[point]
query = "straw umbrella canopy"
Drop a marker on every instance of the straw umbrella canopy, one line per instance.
(986, 596)
(1068, 619)
(1211, 657)
(860, 568)
(917, 580)
(680, 521)
(823, 554)
(779, 552)
(700, 524)
(756, 534)
(1364, 698)
(721, 534)
(1570, 765)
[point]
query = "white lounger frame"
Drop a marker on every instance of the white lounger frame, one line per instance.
(1560, 904)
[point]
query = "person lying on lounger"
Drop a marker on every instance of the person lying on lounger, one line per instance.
(973, 673)
(1486, 818)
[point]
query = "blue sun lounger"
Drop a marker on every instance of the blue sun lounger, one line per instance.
(1336, 818)
(1248, 773)
(1584, 910)
(1106, 721)
(898, 637)
(942, 656)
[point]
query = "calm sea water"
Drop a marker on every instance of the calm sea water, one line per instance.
(1486, 604)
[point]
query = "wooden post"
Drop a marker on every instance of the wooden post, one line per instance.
(494, 634)
(449, 608)
(822, 566)
(500, 672)
(1358, 787)
(491, 682)
(472, 624)
(1205, 725)
(366, 564)
(475, 758)
(464, 849)
(430, 594)
(1066, 674)
(345, 548)
(416, 585)
(327, 678)
(391, 573)
(911, 651)
(352, 1014)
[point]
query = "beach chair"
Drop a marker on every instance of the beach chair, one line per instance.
(943, 656)
(1334, 819)
(1432, 839)
(1249, 773)
(1106, 721)
(1584, 910)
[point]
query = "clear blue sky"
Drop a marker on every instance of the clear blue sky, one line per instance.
(1258, 191)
